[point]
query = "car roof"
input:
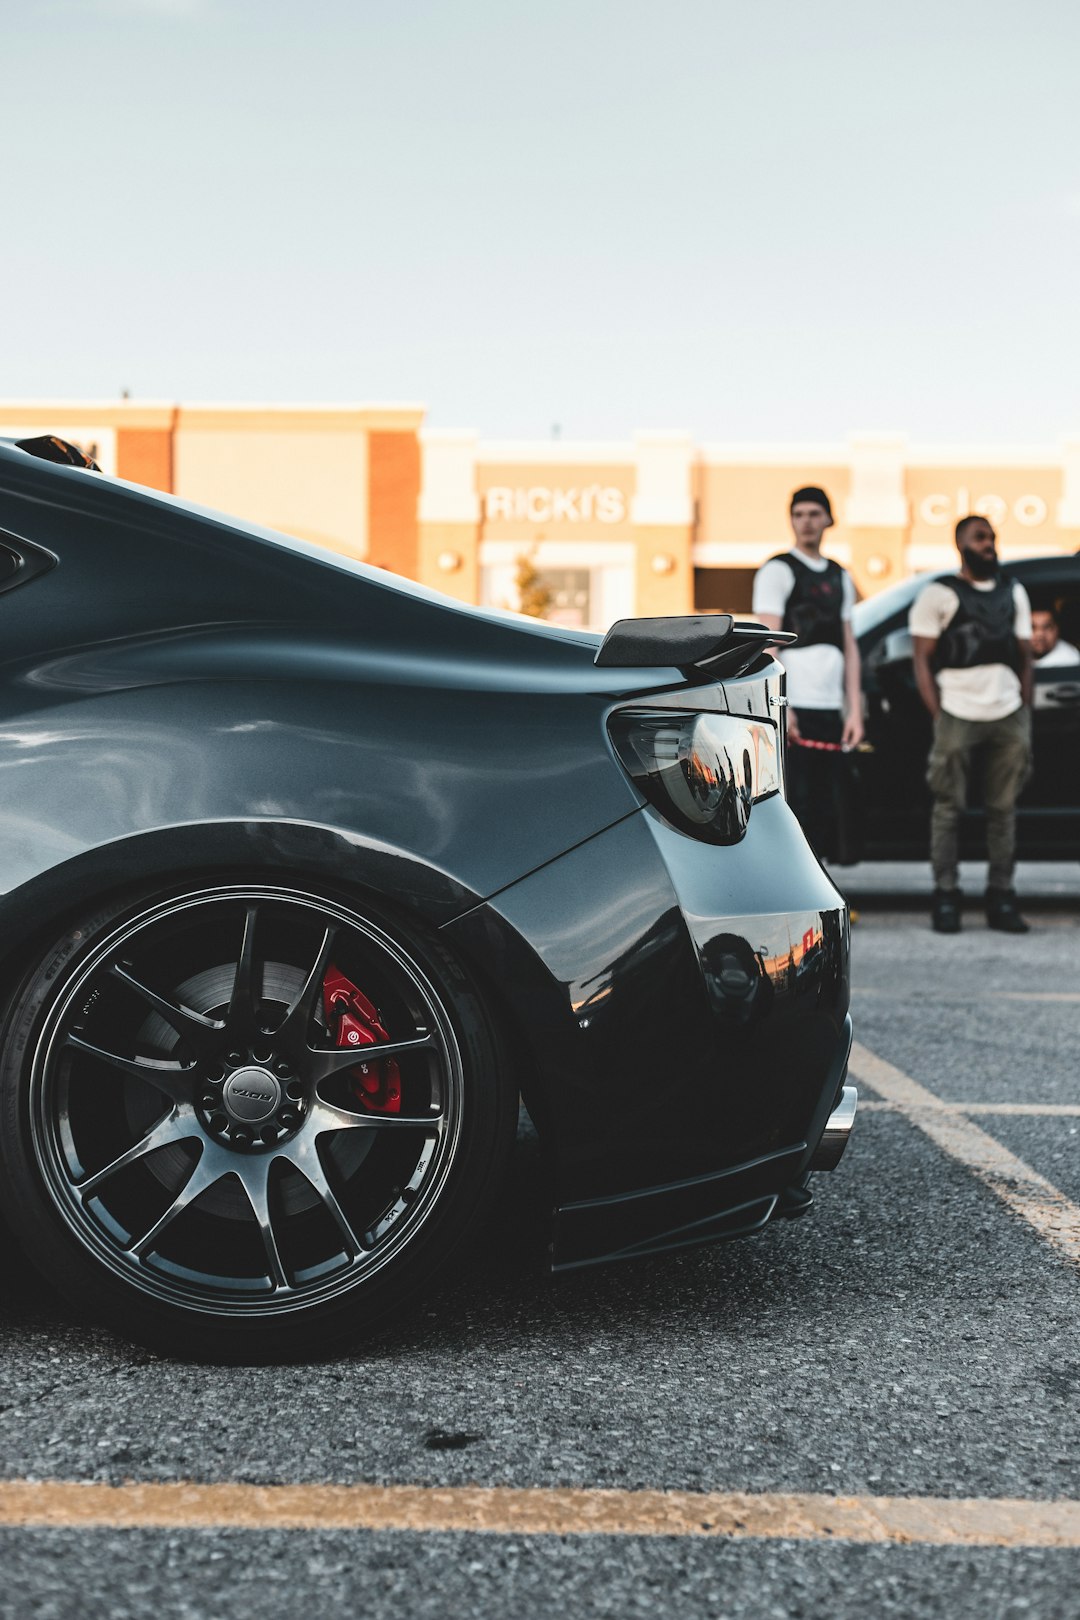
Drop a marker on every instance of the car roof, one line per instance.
(877, 609)
(15, 456)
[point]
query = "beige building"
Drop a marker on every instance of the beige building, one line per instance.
(656, 524)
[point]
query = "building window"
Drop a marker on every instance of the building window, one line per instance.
(571, 596)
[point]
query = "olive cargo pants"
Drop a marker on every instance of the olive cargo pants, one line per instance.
(1004, 747)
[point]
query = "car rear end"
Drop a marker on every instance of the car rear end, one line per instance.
(689, 1074)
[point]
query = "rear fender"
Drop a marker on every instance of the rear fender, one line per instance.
(268, 850)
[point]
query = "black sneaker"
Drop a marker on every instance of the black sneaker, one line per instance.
(945, 911)
(1002, 912)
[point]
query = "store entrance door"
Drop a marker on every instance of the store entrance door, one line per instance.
(724, 590)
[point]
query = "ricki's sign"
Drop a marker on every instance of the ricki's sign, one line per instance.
(553, 503)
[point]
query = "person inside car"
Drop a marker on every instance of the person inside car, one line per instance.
(973, 667)
(1046, 642)
(803, 591)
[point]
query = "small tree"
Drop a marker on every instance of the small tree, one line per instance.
(534, 597)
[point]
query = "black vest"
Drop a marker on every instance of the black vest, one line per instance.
(814, 607)
(981, 630)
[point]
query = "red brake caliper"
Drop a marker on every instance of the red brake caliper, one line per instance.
(354, 1021)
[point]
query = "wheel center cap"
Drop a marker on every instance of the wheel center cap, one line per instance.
(251, 1095)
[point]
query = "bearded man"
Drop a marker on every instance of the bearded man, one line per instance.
(973, 667)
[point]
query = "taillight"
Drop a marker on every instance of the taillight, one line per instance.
(703, 771)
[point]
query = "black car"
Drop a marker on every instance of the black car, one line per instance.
(895, 818)
(308, 872)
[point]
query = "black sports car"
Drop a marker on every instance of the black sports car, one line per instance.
(307, 872)
(895, 811)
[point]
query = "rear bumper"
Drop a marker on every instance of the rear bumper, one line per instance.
(683, 1010)
(701, 1209)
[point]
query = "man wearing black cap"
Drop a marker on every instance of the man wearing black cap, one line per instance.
(803, 591)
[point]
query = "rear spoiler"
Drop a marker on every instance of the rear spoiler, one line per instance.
(705, 646)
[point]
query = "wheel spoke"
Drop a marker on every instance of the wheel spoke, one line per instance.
(326, 1116)
(212, 1166)
(256, 1184)
(178, 1125)
(294, 1026)
(320, 1062)
(192, 1026)
(176, 1080)
(303, 1155)
(240, 1018)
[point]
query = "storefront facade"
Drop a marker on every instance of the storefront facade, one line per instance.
(660, 525)
(589, 532)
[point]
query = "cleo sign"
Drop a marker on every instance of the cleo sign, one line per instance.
(544, 503)
(938, 510)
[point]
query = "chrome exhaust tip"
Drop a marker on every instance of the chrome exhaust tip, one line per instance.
(830, 1150)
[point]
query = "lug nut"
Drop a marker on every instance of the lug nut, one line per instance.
(241, 1138)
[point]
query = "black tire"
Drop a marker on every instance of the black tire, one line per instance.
(186, 1156)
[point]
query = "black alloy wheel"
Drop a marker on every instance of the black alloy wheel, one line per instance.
(248, 1121)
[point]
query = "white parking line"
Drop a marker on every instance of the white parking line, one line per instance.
(1055, 1110)
(957, 996)
(1036, 995)
(1047, 1210)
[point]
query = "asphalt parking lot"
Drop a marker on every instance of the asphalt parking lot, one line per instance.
(915, 1337)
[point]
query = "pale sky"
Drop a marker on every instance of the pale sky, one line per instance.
(746, 221)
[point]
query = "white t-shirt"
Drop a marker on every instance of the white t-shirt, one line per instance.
(986, 691)
(815, 675)
(1063, 652)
